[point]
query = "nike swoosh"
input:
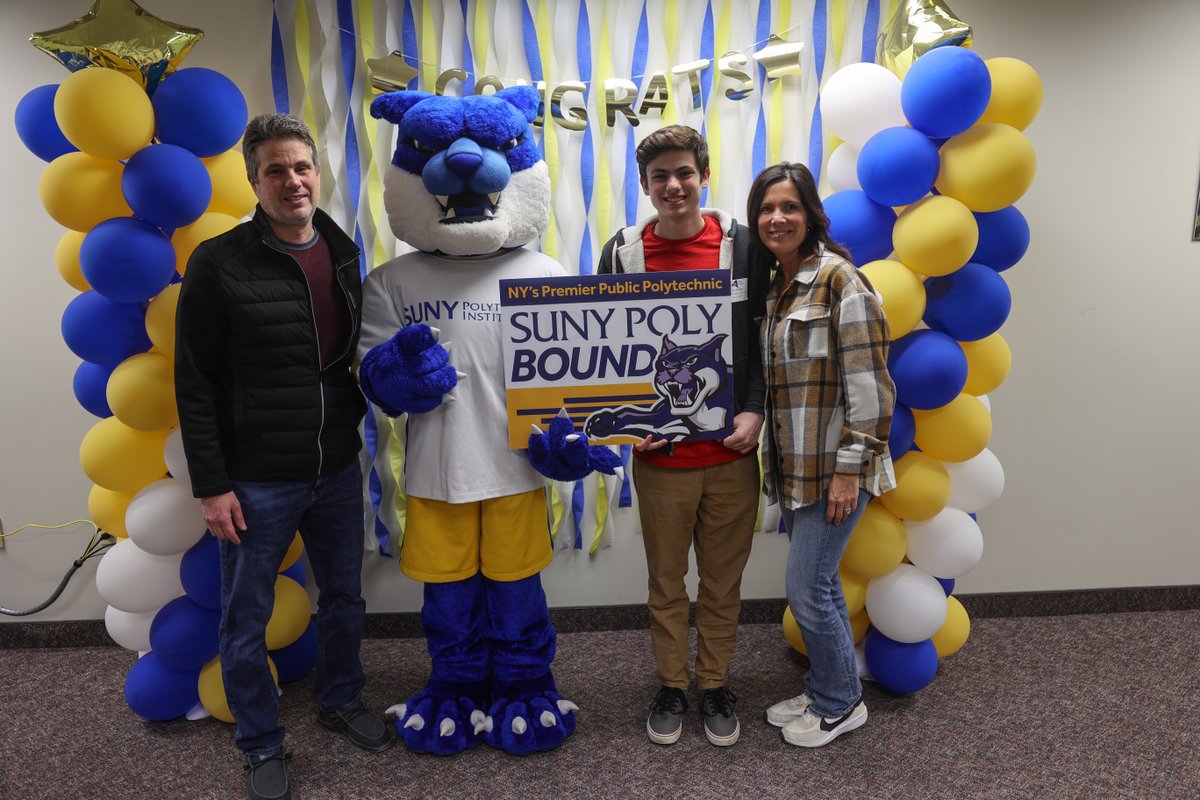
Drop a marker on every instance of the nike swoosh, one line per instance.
(827, 725)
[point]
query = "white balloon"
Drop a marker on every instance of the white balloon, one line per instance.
(843, 168)
(906, 605)
(949, 546)
(164, 519)
(135, 581)
(173, 455)
(131, 631)
(860, 100)
(976, 483)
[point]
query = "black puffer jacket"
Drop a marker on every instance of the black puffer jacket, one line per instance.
(254, 403)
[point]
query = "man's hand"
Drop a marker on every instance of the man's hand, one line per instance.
(223, 515)
(746, 426)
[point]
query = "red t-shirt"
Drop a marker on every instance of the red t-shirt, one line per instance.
(330, 314)
(701, 251)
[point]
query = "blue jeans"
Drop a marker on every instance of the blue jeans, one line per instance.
(328, 512)
(814, 593)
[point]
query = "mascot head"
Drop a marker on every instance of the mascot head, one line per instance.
(466, 178)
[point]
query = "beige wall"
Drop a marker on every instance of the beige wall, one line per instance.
(1091, 426)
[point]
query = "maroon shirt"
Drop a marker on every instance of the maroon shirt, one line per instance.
(330, 313)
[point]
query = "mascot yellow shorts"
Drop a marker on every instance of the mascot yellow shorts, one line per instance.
(508, 538)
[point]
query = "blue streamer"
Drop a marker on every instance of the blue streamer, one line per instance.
(816, 143)
(409, 38)
(870, 31)
(587, 159)
(468, 86)
(641, 51)
(626, 500)
(279, 81)
(533, 54)
(707, 47)
(758, 154)
(577, 503)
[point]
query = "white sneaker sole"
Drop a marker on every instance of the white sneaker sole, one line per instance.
(664, 738)
(779, 720)
(724, 741)
(828, 736)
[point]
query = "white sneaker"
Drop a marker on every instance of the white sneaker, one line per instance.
(813, 731)
(785, 711)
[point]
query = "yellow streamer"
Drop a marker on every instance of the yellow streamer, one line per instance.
(603, 200)
(549, 133)
(430, 40)
(837, 28)
(482, 37)
(557, 511)
(714, 117)
(775, 117)
(671, 32)
(601, 514)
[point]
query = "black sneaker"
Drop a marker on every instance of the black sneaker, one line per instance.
(360, 726)
(665, 723)
(720, 723)
(267, 776)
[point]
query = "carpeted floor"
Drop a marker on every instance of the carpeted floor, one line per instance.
(1092, 706)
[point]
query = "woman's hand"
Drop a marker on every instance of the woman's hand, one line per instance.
(842, 498)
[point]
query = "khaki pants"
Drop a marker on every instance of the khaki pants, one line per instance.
(712, 508)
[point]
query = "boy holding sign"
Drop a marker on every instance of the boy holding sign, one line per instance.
(700, 492)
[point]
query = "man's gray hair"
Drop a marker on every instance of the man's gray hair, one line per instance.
(269, 127)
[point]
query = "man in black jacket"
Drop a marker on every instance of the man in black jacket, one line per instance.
(266, 329)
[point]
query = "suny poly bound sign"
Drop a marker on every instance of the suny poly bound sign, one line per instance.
(625, 355)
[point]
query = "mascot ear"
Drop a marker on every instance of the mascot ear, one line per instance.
(525, 99)
(394, 105)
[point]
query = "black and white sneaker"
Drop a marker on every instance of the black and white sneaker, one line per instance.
(720, 723)
(665, 723)
(809, 730)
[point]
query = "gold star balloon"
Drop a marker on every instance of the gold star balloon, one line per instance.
(780, 57)
(917, 27)
(390, 73)
(120, 35)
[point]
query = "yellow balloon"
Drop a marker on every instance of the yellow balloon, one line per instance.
(293, 553)
(935, 236)
(104, 113)
(80, 191)
(1016, 93)
(211, 686)
(66, 258)
(291, 615)
(160, 319)
(107, 509)
(119, 458)
(988, 362)
(903, 294)
(956, 432)
(187, 238)
(922, 487)
(954, 631)
(877, 543)
(858, 625)
(854, 587)
(231, 193)
(791, 632)
(141, 392)
(987, 167)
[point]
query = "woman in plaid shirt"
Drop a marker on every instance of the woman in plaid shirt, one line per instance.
(829, 404)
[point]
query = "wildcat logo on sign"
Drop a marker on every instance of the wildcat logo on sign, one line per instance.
(625, 355)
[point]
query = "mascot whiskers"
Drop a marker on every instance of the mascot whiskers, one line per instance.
(468, 189)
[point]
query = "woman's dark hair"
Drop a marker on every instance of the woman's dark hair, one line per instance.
(806, 187)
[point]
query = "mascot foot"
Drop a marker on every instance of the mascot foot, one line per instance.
(530, 724)
(438, 723)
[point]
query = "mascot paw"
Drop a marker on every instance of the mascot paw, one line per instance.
(438, 724)
(410, 372)
(529, 725)
(563, 455)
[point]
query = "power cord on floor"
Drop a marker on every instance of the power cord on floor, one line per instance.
(100, 543)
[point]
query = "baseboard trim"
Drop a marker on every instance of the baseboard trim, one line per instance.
(407, 625)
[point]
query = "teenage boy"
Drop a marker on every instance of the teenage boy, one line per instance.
(702, 493)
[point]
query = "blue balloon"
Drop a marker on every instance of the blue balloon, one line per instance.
(200, 572)
(296, 572)
(98, 330)
(127, 260)
(947, 585)
(37, 127)
(200, 110)
(898, 166)
(945, 91)
(166, 185)
(969, 304)
(898, 666)
(298, 658)
(158, 692)
(928, 367)
(91, 388)
(1003, 238)
(904, 431)
(184, 634)
(863, 226)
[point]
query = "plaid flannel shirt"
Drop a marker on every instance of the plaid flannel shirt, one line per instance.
(829, 396)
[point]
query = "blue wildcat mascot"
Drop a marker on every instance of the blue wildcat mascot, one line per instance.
(468, 188)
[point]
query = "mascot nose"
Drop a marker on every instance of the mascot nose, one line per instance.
(464, 157)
